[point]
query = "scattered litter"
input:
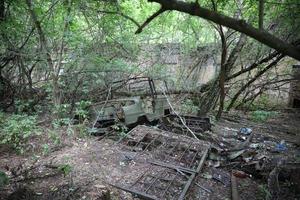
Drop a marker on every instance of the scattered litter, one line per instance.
(235, 154)
(280, 147)
(215, 154)
(255, 145)
(206, 176)
(100, 186)
(245, 131)
(214, 164)
(230, 129)
(240, 174)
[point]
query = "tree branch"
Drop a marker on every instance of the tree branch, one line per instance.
(261, 15)
(260, 73)
(239, 25)
(254, 65)
(140, 29)
(121, 14)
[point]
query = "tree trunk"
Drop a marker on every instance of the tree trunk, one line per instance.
(222, 75)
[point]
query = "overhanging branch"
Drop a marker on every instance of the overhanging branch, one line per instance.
(121, 14)
(195, 9)
(161, 10)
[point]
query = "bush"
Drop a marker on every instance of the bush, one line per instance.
(3, 179)
(263, 102)
(82, 110)
(261, 115)
(188, 107)
(16, 129)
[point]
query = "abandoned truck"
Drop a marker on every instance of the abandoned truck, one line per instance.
(148, 107)
(131, 110)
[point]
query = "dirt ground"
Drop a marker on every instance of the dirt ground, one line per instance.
(85, 168)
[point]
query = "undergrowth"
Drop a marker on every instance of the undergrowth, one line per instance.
(16, 129)
(262, 115)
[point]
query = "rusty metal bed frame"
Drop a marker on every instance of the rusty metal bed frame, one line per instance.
(174, 162)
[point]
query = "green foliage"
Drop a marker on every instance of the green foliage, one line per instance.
(82, 110)
(189, 107)
(46, 149)
(120, 129)
(265, 193)
(263, 102)
(81, 130)
(261, 115)
(3, 179)
(62, 113)
(59, 122)
(16, 130)
(54, 137)
(23, 105)
(65, 169)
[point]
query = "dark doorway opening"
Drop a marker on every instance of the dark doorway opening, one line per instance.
(296, 103)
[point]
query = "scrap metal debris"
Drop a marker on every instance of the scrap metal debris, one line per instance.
(197, 124)
(173, 162)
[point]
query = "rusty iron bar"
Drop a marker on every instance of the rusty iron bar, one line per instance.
(164, 144)
(161, 178)
(152, 141)
(169, 185)
(137, 143)
(155, 179)
(170, 166)
(191, 178)
(192, 161)
(141, 176)
(189, 146)
(135, 192)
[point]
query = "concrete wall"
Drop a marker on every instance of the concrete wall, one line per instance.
(294, 100)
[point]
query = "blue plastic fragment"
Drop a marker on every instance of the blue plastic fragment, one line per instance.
(246, 131)
(281, 146)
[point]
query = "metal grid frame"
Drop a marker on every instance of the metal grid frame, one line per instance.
(196, 124)
(169, 176)
(165, 149)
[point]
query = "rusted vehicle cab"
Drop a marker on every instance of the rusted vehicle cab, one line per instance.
(130, 110)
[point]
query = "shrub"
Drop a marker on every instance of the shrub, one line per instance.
(81, 110)
(16, 129)
(3, 179)
(189, 107)
(261, 115)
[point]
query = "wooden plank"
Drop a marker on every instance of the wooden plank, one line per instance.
(234, 190)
